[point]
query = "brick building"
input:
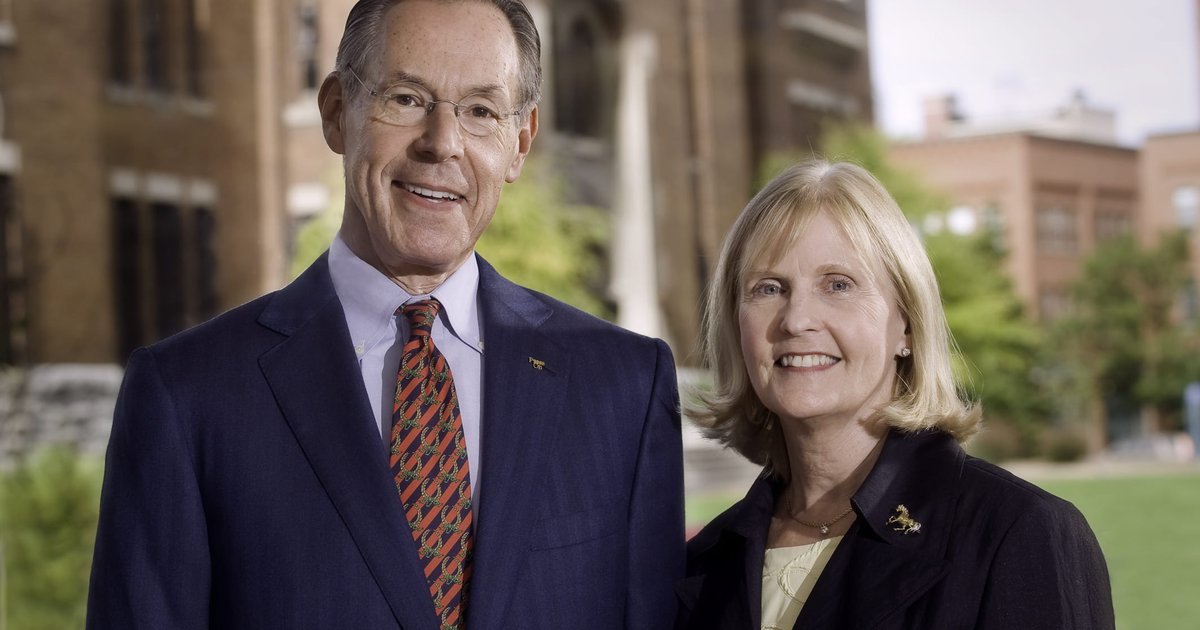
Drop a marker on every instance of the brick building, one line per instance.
(1055, 186)
(157, 156)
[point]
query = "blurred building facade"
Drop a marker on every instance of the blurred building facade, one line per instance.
(157, 156)
(1053, 186)
(150, 149)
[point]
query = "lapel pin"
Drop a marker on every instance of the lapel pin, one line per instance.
(903, 522)
(538, 364)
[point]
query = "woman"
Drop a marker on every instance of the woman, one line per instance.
(831, 363)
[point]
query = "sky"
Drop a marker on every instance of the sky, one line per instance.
(1008, 58)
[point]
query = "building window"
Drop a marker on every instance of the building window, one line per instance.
(8, 31)
(7, 319)
(156, 63)
(127, 274)
(962, 220)
(1053, 303)
(577, 80)
(1186, 200)
(195, 45)
(1055, 224)
(308, 40)
(205, 268)
(1114, 215)
(120, 63)
(1111, 224)
(169, 304)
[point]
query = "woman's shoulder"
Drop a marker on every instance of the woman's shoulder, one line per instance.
(746, 519)
(993, 493)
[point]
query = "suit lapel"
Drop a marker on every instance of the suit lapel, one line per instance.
(525, 380)
(316, 381)
(878, 569)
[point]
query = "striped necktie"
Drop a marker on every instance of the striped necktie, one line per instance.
(429, 461)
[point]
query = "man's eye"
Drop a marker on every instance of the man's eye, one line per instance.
(406, 100)
(480, 111)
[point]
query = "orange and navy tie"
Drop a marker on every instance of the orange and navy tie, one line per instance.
(429, 461)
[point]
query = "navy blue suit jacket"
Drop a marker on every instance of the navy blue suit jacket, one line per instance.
(993, 552)
(246, 485)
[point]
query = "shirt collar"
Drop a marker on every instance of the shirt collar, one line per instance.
(370, 299)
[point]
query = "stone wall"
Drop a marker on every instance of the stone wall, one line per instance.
(69, 404)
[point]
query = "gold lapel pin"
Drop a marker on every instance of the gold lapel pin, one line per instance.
(904, 522)
(538, 364)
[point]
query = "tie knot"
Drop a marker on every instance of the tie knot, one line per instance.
(421, 314)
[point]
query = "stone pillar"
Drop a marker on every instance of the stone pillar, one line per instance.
(634, 284)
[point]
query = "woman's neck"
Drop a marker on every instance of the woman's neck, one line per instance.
(828, 464)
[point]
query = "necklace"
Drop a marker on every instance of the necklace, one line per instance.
(824, 527)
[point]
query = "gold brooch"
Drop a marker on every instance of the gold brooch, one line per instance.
(903, 522)
(538, 364)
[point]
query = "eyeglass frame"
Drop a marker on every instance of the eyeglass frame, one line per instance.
(432, 103)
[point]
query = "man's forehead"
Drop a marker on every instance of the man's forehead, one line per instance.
(469, 44)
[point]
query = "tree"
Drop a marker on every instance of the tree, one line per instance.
(998, 345)
(1122, 334)
(539, 240)
(49, 507)
(536, 239)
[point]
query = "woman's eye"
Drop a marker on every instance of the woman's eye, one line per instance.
(840, 285)
(767, 289)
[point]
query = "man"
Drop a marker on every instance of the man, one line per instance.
(308, 460)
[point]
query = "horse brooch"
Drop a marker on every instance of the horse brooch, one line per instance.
(903, 522)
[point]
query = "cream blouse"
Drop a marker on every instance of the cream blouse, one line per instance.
(789, 574)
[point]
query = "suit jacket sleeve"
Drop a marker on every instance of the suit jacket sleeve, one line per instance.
(151, 566)
(656, 537)
(1048, 572)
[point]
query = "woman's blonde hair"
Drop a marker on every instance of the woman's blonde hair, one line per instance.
(926, 395)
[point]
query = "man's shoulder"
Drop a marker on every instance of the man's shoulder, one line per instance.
(554, 317)
(229, 330)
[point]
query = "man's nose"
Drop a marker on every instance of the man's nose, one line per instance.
(441, 138)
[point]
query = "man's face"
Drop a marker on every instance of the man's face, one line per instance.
(419, 197)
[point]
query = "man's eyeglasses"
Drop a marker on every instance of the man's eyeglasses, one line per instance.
(408, 104)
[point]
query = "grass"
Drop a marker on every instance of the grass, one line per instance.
(1148, 527)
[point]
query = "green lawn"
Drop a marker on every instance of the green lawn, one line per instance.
(1148, 526)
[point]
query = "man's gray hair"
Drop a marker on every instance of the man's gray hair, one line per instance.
(361, 39)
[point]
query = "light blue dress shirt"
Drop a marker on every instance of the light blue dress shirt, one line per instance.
(370, 300)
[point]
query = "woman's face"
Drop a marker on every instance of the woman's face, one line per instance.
(819, 331)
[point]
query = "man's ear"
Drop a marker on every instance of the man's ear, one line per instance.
(525, 137)
(332, 103)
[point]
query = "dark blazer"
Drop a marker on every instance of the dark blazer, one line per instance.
(246, 484)
(993, 551)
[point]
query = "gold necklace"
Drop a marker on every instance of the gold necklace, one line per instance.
(824, 527)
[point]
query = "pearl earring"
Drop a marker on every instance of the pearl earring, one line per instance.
(905, 353)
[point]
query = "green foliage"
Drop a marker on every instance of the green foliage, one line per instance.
(1122, 335)
(540, 241)
(315, 236)
(49, 506)
(998, 344)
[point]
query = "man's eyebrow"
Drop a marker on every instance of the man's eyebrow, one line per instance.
(487, 89)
